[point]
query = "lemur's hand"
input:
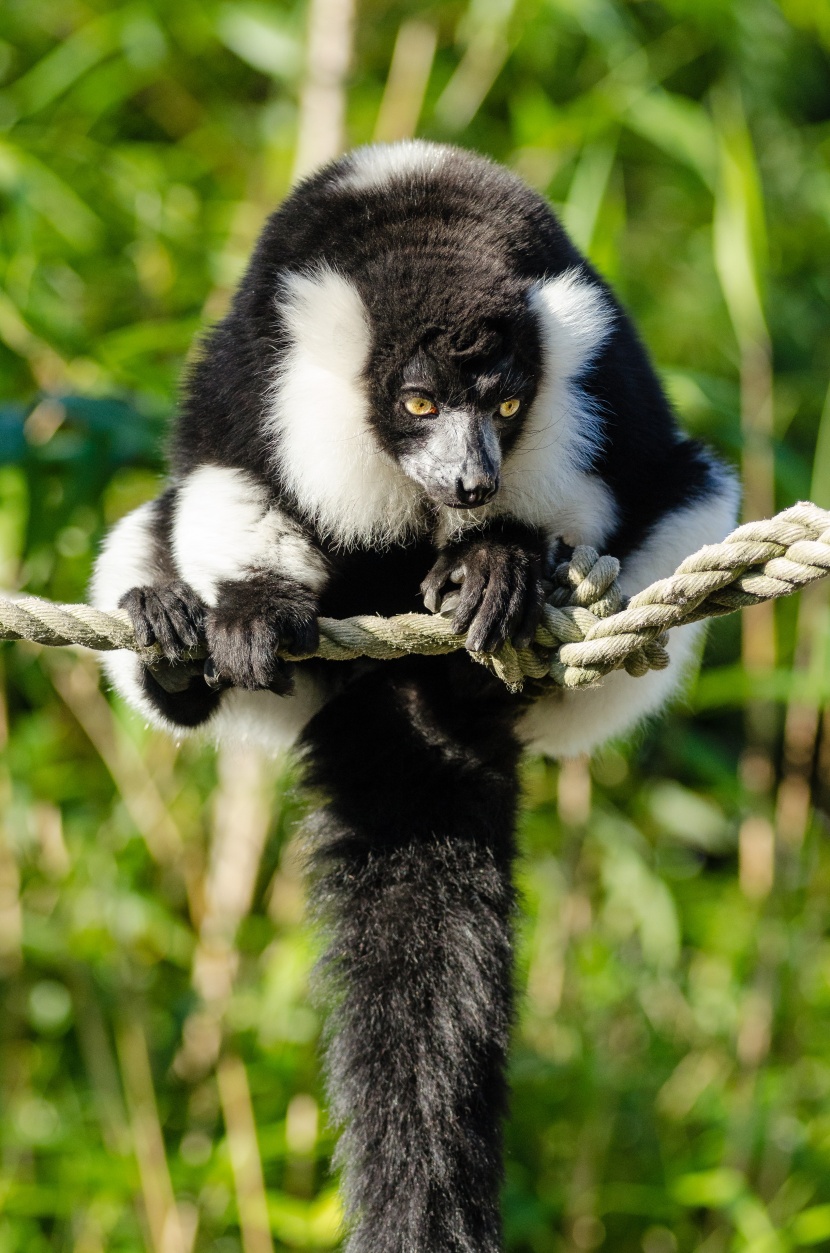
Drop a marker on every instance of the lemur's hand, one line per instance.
(170, 615)
(500, 595)
(251, 620)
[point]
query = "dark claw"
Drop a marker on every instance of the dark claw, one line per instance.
(211, 676)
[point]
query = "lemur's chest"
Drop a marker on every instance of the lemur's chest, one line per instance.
(384, 582)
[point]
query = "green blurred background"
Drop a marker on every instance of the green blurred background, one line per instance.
(158, 1045)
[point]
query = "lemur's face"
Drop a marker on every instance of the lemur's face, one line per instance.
(455, 427)
(451, 412)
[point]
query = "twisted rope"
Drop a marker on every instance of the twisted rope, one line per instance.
(586, 631)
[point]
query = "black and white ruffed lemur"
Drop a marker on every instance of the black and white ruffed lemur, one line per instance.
(420, 382)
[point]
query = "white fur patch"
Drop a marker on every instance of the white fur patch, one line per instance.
(372, 167)
(265, 720)
(125, 561)
(324, 447)
(572, 722)
(225, 527)
(679, 534)
(547, 479)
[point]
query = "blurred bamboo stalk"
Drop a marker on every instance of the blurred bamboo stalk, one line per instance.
(246, 1164)
(322, 117)
(77, 685)
(11, 916)
(801, 728)
(585, 1228)
(573, 792)
(756, 856)
(739, 247)
(802, 725)
(302, 1127)
(406, 82)
(90, 1237)
(485, 54)
(738, 241)
(241, 820)
(47, 823)
(97, 1054)
(168, 1234)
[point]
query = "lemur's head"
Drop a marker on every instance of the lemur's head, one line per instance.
(454, 368)
(429, 344)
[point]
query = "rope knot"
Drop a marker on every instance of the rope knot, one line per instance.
(582, 592)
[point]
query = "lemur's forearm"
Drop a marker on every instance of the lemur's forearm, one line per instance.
(214, 556)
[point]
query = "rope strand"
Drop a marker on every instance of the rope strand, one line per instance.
(586, 630)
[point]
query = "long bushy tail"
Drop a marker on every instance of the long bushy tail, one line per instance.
(413, 854)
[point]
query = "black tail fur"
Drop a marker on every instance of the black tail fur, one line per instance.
(413, 851)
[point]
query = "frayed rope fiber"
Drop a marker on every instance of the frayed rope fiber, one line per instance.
(587, 629)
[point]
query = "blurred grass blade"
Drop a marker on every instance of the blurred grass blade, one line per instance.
(485, 36)
(587, 190)
(67, 62)
(240, 1124)
(407, 81)
(166, 1233)
(680, 127)
(820, 484)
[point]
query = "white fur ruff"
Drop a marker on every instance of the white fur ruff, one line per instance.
(326, 452)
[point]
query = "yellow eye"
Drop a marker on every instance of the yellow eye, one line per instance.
(420, 406)
(509, 407)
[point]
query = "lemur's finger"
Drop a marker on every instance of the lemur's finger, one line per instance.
(182, 624)
(166, 628)
(134, 601)
(163, 626)
(490, 628)
(521, 596)
(515, 611)
(534, 601)
(186, 612)
(262, 661)
(469, 599)
(433, 584)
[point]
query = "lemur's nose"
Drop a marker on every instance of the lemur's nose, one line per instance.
(477, 494)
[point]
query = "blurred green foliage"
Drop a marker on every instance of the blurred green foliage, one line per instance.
(671, 1073)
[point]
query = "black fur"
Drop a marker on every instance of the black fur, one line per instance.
(415, 761)
(413, 854)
